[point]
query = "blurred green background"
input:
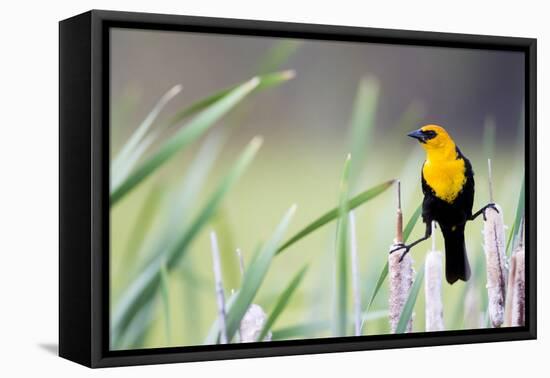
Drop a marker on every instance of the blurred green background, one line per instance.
(305, 123)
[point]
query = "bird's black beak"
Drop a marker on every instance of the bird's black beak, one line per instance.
(418, 134)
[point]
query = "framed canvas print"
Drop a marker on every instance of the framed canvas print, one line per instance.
(234, 188)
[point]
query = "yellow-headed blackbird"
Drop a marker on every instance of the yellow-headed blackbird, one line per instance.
(448, 187)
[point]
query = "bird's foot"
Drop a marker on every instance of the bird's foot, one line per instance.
(401, 246)
(489, 206)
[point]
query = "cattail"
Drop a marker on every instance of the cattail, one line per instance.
(254, 319)
(219, 287)
(515, 296)
(432, 288)
(252, 324)
(493, 233)
(518, 300)
(401, 272)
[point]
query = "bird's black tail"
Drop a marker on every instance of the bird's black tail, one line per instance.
(456, 259)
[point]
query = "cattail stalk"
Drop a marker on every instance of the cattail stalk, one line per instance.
(494, 245)
(355, 275)
(518, 300)
(432, 288)
(219, 287)
(254, 319)
(515, 296)
(400, 271)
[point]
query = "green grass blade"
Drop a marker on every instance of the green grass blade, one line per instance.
(192, 184)
(331, 215)
(121, 170)
(362, 123)
(379, 282)
(181, 200)
(373, 315)
(341, 310)
(136, 145)
(146, 285)
(281, 303)
(277, 55)
(185, 136)
(265, 81)
(165, 291)
(517, 220)
(137, 331)
(254, 276)
(411, 223)
(384, 273)
(140, 229)
(408, 307)
(209, 210)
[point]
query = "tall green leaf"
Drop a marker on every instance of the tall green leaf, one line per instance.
(266, 81)
(165, 290)
(408, 307)
(520, 210)
(183, 138)
(341, 254)
(136, 145)
(277, 55)
(333, 214)
(281, 303)
(252, 280)
(145, 286)
(140, 230)
(362, 123)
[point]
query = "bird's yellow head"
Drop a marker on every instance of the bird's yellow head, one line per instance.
(434, 139)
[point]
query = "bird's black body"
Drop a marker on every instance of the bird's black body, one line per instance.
(452, 218)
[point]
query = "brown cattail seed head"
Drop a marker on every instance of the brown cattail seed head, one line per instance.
(518, 299)
(494, 245)
(401, 280)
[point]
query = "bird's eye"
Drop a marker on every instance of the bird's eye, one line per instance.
(429, 134)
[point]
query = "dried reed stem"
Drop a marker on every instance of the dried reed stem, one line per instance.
(355, 274)
(490, 175)
(399, 225)
(252, 324)
(494, 245)
(432, 288)
(515, 295)
(401, 272)
(510, 291)
(219, 287)
(493, 232)
(254, 319)
(518, 300)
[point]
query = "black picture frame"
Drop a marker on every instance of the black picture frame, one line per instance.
(84, 182)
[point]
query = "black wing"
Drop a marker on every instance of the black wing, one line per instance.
(465, 199)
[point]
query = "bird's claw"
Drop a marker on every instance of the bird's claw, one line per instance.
(401, 246)
(489, 206)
